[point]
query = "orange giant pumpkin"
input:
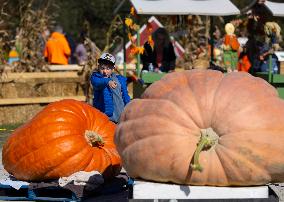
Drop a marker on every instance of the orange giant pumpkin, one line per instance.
(65, 137)
(204, 128)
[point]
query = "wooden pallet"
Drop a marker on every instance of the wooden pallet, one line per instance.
(51, 191)
(8, 193)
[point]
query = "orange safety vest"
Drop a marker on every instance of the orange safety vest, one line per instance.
(57, 49)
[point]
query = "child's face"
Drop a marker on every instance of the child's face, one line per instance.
(106, 69)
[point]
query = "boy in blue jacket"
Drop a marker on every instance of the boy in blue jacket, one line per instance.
(110, 89)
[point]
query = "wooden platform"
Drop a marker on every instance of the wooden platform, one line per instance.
(151, 190)
(7, 193)
(115, 189)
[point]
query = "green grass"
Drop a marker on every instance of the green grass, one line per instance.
(5, 131)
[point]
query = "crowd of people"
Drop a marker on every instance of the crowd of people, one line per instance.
(110, 89)
(250, 51)
(236, 53)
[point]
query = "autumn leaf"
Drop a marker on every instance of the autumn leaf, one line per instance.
(129, 36)
(151, 41)
(140, 50)
(132, 11)
(133, 50)
(128, 22)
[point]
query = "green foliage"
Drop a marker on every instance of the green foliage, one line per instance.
(29, 41)
(98, 13)
(6, 130)
(72, 14)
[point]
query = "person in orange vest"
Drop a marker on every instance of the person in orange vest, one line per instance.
(57, 49)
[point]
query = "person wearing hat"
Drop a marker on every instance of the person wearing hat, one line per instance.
(110, 89)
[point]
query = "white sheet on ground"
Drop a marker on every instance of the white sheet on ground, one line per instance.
(91, 179)
(16, 184)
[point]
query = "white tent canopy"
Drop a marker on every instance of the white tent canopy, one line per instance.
(277, 9)
(185, 7)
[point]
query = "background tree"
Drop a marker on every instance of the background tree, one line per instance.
(72, 15)
(34, 19)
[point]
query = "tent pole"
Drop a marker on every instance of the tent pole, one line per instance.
(270, 69)
(211, 41)
(138, 55)
(124, 48)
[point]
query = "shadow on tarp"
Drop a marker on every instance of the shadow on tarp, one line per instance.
(51, 191)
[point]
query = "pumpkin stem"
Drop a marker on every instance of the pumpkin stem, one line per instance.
(207, 140)
(94, 139)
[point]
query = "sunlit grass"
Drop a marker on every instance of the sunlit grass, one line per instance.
(5, 131)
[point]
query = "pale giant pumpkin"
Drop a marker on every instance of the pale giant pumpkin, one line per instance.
(65, 137)
(202, 127)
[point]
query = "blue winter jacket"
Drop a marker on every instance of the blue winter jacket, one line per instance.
(103, 95)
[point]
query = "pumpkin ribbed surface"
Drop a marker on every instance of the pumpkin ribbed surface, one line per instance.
(65, 137)
(205, 128)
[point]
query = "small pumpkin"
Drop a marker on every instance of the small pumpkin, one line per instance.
(201, 127)
(65, 137)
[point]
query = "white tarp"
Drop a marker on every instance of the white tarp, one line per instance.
(185, 7)
(153, 190)
(277, 9)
